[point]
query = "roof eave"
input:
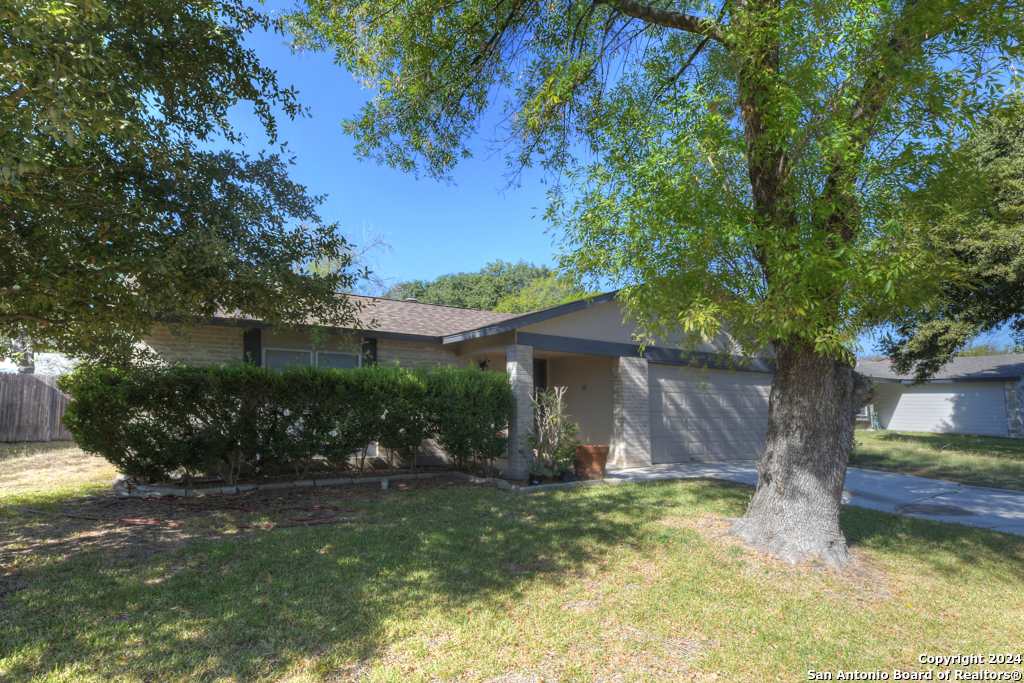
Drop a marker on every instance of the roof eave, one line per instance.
(943, 380)
(366, 334)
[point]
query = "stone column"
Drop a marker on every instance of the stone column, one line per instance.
(1014, 392)
(519, 365)
(631, 414)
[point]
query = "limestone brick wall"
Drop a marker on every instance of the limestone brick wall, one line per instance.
(197, 345)
(519, 366)
(631, 414)
(412, 354)
(1014, 408)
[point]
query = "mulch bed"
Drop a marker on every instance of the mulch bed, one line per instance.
(351, 498)
(322, 472)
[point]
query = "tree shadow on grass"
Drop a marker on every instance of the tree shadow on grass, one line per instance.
(328, 602)
(951, 550)
(257, 605)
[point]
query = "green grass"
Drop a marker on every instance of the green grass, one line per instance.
(629, 582)
(976, 460)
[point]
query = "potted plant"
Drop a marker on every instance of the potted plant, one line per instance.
(553, 442)
(590, 462)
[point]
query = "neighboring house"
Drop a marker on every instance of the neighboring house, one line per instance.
(970, 395)
(659, 406)
(45, 364)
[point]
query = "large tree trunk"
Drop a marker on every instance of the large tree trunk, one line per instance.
(794, 514)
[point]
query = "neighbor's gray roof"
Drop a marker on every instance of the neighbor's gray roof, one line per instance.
(1009, 365)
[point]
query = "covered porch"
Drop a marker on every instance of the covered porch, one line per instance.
(608, 396)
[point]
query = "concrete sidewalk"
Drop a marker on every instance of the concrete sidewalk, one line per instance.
(945, 501)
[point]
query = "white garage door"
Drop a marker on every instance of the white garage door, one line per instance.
(707, 414)
(954, 408)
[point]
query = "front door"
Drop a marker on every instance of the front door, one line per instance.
(540, 374)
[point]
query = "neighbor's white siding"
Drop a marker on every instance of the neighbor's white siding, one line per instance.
(707, 414)
(943, 408)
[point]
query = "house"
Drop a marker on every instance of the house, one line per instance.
(651, 406)
(970, 395)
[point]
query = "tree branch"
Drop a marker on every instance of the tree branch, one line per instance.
(671, 81)
(667, 18)
(26, 316)
(872, 100)
(16, 96)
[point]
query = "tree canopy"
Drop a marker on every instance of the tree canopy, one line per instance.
(991, 258)
(774, 170)
(542, 292)
(747, 157)
(483, 289)
(113, 217)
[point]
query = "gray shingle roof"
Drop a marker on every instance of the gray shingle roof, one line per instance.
(410, 317)
(965, 367)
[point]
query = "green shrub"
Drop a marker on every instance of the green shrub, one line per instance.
(238, 419)
(468, 412)
(151, 421)
(404, 422)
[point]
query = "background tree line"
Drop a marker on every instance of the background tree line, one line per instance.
(499, 286)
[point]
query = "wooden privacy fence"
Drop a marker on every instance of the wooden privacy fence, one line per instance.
(31, 408)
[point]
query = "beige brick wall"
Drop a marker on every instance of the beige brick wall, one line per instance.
(631, 414)
(196, 345)
(412, 354)
(519, 366)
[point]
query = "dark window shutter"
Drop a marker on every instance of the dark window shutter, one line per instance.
(252, 347)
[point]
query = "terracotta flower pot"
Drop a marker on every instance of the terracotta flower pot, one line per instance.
(590, 462)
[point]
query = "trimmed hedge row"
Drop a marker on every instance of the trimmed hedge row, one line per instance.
(237, 418)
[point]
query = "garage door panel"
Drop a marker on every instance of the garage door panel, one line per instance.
(679, 424)
(722, 416)
(683, 412)
(678, 451)
(758, 426)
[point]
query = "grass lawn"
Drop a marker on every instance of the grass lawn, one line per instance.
(461, 582)
(976, 460)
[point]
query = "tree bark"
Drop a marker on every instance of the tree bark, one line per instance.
(794, 514)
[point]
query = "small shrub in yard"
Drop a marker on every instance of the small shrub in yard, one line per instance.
(553, 442)
(238, 419)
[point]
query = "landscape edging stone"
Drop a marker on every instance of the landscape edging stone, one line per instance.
(122, 489)
(145, 491)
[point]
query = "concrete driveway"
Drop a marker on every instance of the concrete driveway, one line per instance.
(945, 501)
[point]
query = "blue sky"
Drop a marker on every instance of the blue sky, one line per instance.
(433, 228)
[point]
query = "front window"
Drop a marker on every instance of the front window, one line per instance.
(337, 361)
(279, 359)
